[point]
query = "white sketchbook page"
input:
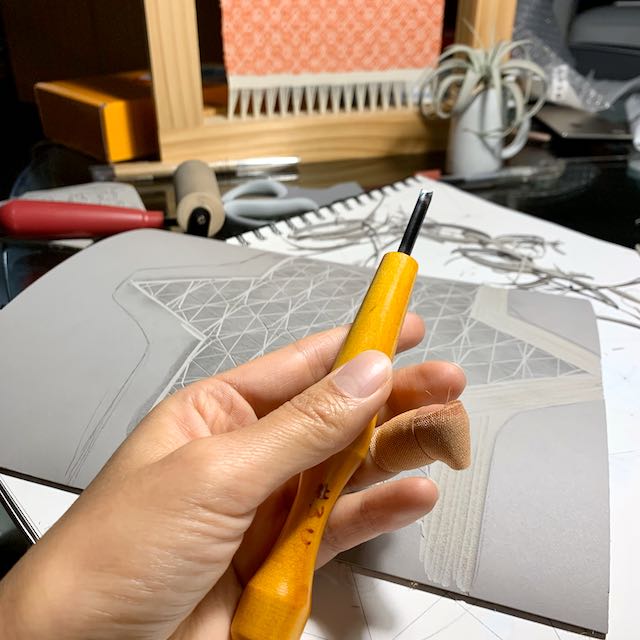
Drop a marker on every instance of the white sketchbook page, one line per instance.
(37, 506)
(603, 261)
(621, 349)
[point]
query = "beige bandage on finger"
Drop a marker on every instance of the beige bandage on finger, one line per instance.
(420, 437)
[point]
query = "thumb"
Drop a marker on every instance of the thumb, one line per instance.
(312, 426)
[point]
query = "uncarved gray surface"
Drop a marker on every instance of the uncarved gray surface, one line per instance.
(71, 353)
(546, 516)
(562, 315)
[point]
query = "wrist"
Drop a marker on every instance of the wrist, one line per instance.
(9, 606)
(26, 608)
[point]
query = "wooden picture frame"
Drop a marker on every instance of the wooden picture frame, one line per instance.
(187, 131)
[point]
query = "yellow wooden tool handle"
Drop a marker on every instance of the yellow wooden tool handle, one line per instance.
(276, 603)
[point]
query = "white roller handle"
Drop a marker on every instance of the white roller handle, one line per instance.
(198, 198)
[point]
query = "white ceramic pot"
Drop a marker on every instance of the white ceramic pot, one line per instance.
(475, 142)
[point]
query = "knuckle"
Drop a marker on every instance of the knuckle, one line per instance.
(332, 541)
(215, 400)
(219, 480)
(371, 519)
(311, 354)
(325, 414)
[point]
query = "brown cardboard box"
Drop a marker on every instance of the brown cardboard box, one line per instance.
(109, 117)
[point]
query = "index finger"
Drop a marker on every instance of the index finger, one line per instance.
(271, 380)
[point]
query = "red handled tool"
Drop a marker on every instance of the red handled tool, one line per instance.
(42, 218)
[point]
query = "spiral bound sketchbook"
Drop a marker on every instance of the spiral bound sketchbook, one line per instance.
(143, 313)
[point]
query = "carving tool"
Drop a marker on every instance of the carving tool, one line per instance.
(276, 602)
(41, 218)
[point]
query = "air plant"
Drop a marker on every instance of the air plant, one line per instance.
(464, 72)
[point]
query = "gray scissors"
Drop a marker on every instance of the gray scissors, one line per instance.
(257, 202)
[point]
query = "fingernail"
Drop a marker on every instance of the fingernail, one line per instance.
(363, 375)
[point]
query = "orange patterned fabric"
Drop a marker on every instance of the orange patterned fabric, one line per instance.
(269, 37)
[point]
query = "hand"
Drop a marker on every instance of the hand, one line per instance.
(163, 540)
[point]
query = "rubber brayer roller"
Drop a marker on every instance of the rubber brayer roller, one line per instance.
(199, 207)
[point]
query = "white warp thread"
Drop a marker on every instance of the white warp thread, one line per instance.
(268, 96)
